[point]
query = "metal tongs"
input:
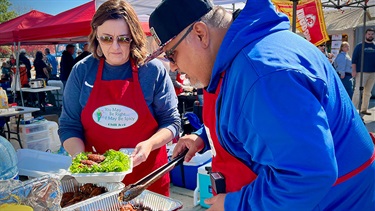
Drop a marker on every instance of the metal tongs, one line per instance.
(133, 190)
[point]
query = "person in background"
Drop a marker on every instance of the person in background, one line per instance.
(41, 72)
(368, 71)
(322, 48)
(12, 61)
(5, 76)
(67, 62)
(178, 83)
(343, 66)
(83, 54)
(52, 61)
(277, 113)
(114, 77)
(27, 73)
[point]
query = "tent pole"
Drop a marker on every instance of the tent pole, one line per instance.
(362, 58)
(18, 76)
(15, 78)
(294, 24)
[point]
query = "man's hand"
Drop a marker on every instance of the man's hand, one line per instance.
(192, 142)
(216, 202)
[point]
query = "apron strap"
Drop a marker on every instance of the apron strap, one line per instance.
(359, 169)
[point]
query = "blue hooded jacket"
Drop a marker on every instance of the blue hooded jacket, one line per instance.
(284, 112)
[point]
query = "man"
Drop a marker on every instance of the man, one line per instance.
(52, 61)
(24, 60)
(368, 71)
(83, 54)
(67, 63)
(281, 110)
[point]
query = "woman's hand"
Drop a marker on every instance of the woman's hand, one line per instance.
(141, 153)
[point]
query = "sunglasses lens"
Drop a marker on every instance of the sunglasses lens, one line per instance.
(122, 39)
(170, 58)
(106, 39)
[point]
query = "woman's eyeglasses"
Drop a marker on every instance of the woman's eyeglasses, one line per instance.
(108, 40)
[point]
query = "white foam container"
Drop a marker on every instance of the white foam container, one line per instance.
(103, 177)
(100, 177)
(34, 163)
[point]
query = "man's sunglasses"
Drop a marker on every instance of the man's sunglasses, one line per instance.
(108, 40)
(169, 53)
(322, 45)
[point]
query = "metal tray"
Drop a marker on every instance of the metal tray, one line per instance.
(69, 184)
(110, 202)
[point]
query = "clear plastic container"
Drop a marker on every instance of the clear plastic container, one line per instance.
(8, 160)
(30, 128)
(34, 163)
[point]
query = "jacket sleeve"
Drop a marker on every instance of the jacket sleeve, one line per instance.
(285, 130)
(165, 102)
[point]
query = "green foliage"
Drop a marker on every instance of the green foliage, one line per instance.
(5, 14)
(115, 161)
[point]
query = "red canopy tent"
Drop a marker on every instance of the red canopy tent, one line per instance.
(71, 26)
(10, 30)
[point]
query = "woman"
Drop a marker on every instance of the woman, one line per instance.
(41, 72)
(113, 101)
(343, 66)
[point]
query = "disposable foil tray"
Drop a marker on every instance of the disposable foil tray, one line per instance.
(111, 202)
(71, 184)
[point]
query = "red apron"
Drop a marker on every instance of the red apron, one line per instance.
(116, 116)
(236, 173)
(178, 79)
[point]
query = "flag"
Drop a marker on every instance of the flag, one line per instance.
(310, 18)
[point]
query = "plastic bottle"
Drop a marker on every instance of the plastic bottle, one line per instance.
(8, 160)
(3, 99)
(54, 143)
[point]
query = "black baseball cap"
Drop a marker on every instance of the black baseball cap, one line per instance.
(173, 16)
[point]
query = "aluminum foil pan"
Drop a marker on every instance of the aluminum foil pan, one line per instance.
(70, 184)
(43, 193)
(111, 202)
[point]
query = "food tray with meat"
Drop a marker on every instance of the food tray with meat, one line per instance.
(148, 200)
(112, 166)
(75, 194)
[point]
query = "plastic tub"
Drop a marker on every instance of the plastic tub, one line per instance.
(30, 128)
(41, 144)
(35, 163)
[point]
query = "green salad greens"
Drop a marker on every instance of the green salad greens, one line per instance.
(115, 161)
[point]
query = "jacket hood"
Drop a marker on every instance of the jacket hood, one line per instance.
(257, 19)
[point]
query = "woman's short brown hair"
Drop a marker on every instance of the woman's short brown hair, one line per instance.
(117, 9)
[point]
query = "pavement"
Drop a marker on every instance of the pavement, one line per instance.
(369, 120)
(186, 196)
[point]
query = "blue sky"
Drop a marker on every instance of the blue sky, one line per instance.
(52, 7)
